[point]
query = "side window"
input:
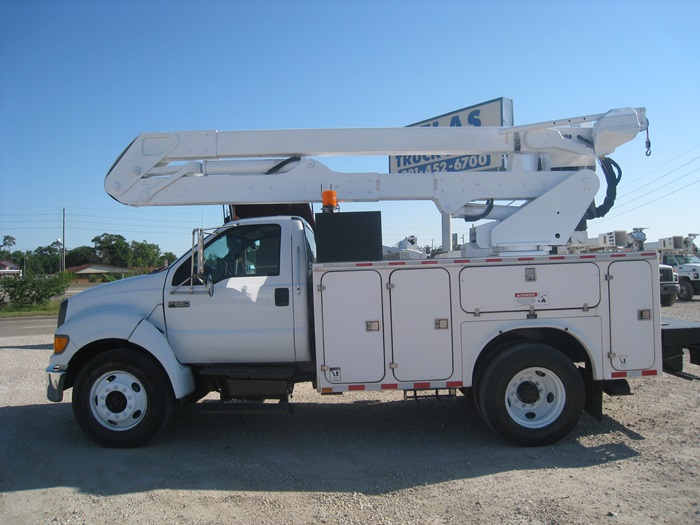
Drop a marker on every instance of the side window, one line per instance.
(238, 252)
(243, 251)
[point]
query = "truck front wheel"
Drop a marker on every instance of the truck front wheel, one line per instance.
(531, 395)
(122, 398)
(686, 291)
(668, 299)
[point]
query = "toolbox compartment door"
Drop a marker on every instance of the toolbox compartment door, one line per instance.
(353, 326)
(421, 324)
(633, 298)
(513, 288)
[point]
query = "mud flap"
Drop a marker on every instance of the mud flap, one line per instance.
(594, 395)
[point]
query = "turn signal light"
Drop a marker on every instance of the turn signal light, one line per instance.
(60, 343)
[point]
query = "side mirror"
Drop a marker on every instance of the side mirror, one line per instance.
(208, 283)
(200, 255)
(210, 286)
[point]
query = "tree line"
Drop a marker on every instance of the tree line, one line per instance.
(109, 249)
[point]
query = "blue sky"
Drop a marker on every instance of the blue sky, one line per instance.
(79, 80)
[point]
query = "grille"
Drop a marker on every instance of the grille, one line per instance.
(666, 274)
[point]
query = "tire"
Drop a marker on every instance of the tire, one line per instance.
(686, 291)
(531, 395)
(122, 398)
(668, 299)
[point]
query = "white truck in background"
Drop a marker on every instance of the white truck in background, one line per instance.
(680, 253)
(623, 241)
(264, 303)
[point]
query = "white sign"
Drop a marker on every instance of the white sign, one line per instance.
(531, 298)
(497, 112)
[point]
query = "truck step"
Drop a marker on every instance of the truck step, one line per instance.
(683, 375)
(438, 394)
(245, 407)
(249, 372)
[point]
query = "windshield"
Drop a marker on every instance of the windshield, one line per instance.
(687, 259)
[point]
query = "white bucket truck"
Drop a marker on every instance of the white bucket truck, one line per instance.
(264, 303)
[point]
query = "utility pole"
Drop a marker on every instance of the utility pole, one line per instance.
(63, 244)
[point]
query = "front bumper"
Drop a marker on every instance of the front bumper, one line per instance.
(56, 377)
(668, 289)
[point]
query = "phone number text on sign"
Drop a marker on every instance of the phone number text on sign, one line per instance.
(435, 163)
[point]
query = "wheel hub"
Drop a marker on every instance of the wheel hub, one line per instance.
(119, 401)
(535, 397)
(528, 392)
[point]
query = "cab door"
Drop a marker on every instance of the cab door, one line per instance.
(249, 318)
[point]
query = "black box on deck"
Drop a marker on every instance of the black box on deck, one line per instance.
(349, 236)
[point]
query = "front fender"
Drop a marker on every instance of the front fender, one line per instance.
(95, 325)
(151, 339)
(111, 324)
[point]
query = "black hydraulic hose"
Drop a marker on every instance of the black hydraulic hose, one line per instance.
(488, 208)
(282, 164)
(613, 175)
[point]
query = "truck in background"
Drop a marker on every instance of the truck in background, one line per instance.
(621, 241)
(681, 253)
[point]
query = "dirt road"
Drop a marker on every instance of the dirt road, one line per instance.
(360, 458)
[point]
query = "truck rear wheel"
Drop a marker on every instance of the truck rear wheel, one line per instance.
(122, 398)
(531, 395)
(686, 291)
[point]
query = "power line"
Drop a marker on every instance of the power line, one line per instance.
(659, 189)
(637, 179)
(665, 175)
(652, 202)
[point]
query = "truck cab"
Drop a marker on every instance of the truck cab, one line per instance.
(688, 269)
(244, 331)
(256, 309)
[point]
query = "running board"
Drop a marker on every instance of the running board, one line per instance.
(683, 375)
(249, 372)
(245, 407)
(417, 395)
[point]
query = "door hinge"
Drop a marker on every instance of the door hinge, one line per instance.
(324, 368)
(393, 365)
(320, 288)
(611, 355)
(390, 286)
(608, 277)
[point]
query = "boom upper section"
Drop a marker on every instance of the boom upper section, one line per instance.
(282, 166)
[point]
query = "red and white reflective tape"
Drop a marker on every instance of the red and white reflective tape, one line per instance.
(633, 373)
(491, 260)
(417, 385)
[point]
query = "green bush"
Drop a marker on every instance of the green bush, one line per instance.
(31, 291)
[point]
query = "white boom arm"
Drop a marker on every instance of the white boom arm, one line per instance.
(256, 167)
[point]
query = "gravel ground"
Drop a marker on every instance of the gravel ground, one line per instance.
(359, 458)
